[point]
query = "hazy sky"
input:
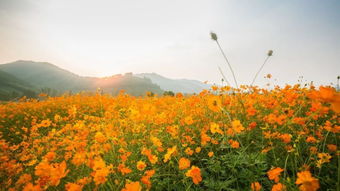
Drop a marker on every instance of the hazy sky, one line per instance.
(106, 37)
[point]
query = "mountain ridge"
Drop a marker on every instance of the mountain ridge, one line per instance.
(49, 78)
(175, 85)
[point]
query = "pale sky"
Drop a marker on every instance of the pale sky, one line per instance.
(171, 37)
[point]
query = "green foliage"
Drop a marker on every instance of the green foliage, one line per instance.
(168, 93)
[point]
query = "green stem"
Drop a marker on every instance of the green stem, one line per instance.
(225, 79)
(259, 70)
(225, 57)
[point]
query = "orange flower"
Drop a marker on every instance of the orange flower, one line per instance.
(332, 147)
(79, 158)
(101, 171)
(265, 150)
(58, 172)
(183, 163)
(210, 154)
(50, 156)
(205, 138)
(311, 139)
(328, 94)
(52, 173)
(146, 178)
(25, 178)
(188, 120)
(45, 123)
(73, 187)
(188, 151)
(153, 159)
(278, 187)
(84, 181)
(251, 111)
(307, 182)
(132, 186)
(313, 150)
(99, 137)
(124, 170)
(286, 138)
(274, 174)
(31, 187)
(255, 186)
(195, 174)
(214, 103)
(252, 125)
(141, 165)
(234, 144)
(237, 126)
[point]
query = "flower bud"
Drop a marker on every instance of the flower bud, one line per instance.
(270, 53)
(213, 36)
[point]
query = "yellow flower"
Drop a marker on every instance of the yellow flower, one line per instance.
(215, 128)
(198, 149)
(170, 151)
(141, 165)
(188, 120)
(323, 158)
(237, 126)
(156, 141)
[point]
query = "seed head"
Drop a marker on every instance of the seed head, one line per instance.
(213, 36)
(270, 53)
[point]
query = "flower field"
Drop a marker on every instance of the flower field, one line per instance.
(251, 139)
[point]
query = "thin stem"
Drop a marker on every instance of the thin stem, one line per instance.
(265, 61)
(225, 79)
(225, 57)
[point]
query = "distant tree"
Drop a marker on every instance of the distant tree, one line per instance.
(150, 94)
(168, 93)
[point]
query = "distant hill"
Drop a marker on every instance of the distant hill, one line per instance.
(175, 85)
(48, 78)
(12, 88)
(45, 75)
(29, 78)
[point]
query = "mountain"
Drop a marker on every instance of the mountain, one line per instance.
(28, 78)
(12, 87)
(48, 78)
(45, 75)
(175, 85)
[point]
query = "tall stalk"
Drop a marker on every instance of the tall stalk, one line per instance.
(270, 53)
(214, 37)
(225, 79)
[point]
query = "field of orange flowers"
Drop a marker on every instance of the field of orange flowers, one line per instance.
(250, 139)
